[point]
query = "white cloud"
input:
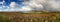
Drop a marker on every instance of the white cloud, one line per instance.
(39, 1)
(0, 10)
(54, 5)
(13, 4)
(2, 2)
(35, 4)
(25, 8)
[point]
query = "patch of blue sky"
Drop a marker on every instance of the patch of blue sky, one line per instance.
(7, 2)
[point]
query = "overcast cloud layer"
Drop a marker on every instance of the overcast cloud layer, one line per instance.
(50, 5)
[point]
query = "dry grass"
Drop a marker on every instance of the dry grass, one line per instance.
(22, 17)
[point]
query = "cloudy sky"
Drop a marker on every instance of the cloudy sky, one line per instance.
(28, 5)
(7, 5)
(49, 5)
(7, 2)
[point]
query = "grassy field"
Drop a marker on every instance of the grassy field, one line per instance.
(29, 17)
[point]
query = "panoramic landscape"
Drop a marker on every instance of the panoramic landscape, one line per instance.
(29, 10)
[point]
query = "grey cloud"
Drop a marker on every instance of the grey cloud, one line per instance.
(50, 5)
